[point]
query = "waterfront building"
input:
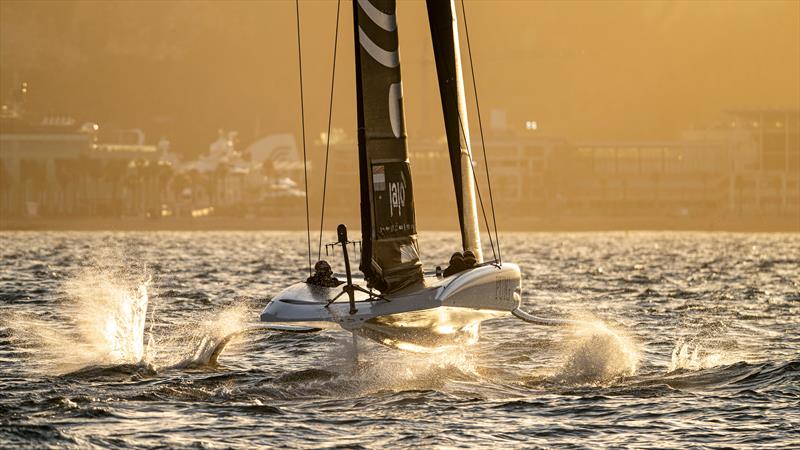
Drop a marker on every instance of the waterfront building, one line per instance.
(747, 165)
(744, 166)
(57, 167)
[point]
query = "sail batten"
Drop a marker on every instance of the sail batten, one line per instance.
(390, 253)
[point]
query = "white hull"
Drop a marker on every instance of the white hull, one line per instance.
(486, 288)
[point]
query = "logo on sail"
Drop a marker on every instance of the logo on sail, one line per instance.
(397, 190)
(397, 196)
(392, 199)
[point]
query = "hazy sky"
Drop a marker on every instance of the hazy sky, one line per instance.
(582, 70)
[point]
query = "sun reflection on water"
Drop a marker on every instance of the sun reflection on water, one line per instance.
(429, 331)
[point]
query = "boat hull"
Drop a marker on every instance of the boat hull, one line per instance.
(489, 287)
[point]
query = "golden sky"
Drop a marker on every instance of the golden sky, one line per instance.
(582, 70)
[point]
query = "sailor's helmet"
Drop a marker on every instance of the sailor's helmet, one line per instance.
(322, 267)
(469, 258)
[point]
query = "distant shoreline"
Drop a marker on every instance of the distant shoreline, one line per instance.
(783, 225)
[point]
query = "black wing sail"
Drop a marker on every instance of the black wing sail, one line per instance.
(390, 254)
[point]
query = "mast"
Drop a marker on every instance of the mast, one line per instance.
(389, 252)
(446, 50)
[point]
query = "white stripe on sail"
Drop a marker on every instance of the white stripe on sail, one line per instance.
(387, 59)
(395, 111)
(381, 19)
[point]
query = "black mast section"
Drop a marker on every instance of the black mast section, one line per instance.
(444, 36)
(363, 174)
(441, 23)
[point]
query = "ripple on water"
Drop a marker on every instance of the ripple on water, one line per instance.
(708, 355)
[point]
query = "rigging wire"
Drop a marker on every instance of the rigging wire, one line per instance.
(303, 132)
(328, 140)
(480, 128)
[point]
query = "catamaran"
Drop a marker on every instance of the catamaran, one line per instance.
(396, 303)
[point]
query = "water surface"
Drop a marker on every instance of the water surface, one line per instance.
(694, 340)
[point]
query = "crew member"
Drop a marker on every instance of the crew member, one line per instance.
(456, 264)
(469, 259)
(323, 275)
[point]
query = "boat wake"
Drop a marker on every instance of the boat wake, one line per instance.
(596, 352)
(198, 341)
(696, 356)
(109, 328)
(103, 327)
